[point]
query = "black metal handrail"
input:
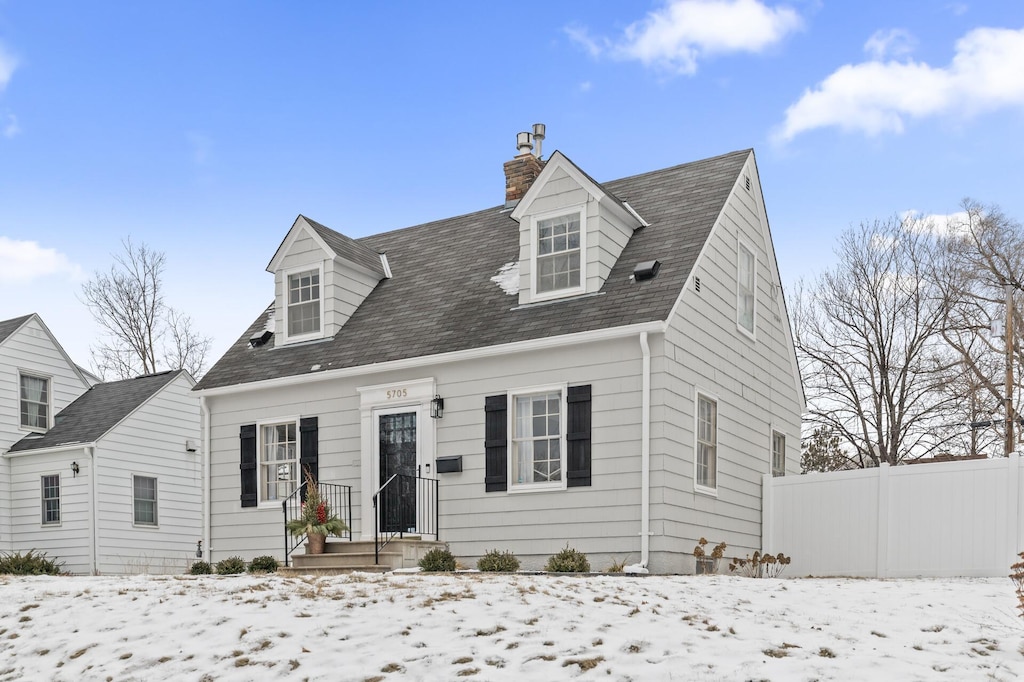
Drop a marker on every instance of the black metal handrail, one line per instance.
(337, 497)
(407, 504)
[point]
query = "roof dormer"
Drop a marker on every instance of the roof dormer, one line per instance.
(320, 278)
(571, 232)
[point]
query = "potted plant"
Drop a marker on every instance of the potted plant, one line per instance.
(317, 519)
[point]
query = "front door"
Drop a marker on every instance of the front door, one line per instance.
(397, 452)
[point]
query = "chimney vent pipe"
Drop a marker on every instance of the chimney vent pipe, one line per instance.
(523, 143)
(539, 130)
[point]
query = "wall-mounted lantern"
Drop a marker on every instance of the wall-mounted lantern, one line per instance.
(74, 468)
(437, 407)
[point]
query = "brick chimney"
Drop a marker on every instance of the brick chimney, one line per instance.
(521, 171)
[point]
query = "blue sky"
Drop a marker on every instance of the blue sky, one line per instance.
(203, 129)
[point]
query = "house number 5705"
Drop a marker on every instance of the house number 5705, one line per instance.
(398, 393)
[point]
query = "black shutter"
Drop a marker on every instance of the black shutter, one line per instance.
(247, 464)
(578, 437)
(495, 443)
(309, 451)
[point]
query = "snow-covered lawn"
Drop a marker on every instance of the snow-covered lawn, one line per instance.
(507, 627)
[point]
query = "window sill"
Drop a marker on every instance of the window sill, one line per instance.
(146, 526)
(702, 490)
(750, 336)
(525, 488)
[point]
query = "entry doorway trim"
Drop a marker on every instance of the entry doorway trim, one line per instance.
(415, 395)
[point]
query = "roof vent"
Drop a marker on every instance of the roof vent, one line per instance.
(260, 338)
(646, 270)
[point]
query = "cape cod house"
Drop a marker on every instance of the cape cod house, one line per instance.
(604, 365)
(103, 477)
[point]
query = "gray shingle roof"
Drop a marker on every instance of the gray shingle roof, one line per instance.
(441, 297)
(8, 327)
(348, 248)
(96, 411)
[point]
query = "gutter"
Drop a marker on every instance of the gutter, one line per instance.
(93, 510)
(645, 453)
(439, 358)
(204, 413)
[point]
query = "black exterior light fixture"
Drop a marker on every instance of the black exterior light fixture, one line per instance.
(437, 407)
(74, 468)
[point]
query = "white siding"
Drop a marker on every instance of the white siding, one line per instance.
(602, 520)
(31, 349)
(151, 442)
(753, 380)
(68, 542)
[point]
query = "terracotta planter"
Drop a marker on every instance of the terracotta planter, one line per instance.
(315, 543)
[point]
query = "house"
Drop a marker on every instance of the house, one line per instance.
(604, 365)
(105, 478)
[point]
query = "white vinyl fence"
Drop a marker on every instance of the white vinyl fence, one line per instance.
(943, 519)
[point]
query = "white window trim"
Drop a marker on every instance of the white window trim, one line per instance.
(742, 244)
(697, 487)
(285, 274)
(262, 503)
(581, 210)
(42, 502)
(771, 450)
(517, 488)
(49, 400)
(156, 503)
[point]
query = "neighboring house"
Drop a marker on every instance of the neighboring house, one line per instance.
(613, 365)
(107, 478)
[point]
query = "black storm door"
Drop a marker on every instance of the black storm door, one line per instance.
(398, 456)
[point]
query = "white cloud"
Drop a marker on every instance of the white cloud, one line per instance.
(11, 128)
(893, 42)
(675, 37)
(25, 260)
(877, 97)
(7, 65)
(941, 225)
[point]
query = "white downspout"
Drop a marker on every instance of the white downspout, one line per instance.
(93, 510)
(204, 413)
(645, 453)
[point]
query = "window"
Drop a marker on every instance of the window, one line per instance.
(538, 441)
(35, 402)
(144, 495)
(51, 499)
(745, 289)
(707, 442)
(304, 303)
(558, 253)
(279, 464)
(778, 454)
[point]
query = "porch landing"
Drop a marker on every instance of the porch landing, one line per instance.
(345, 556)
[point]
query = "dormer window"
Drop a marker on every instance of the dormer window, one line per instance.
(558, 263)
(303, 310)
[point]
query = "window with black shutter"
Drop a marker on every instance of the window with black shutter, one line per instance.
(577, 437)
(495, 443)
(309, 451)
(247, 465)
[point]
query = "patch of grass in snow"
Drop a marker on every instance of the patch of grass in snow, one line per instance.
(825, 652)
(597, 642)
(468, 672)
(392, 668)
(776, 653)
(584, 663)
(26, 607)
(531, 621)
(42, 652)
(241, 661)
(163, 659)
(293, 664)
(495, 661)
(493, 631)
(375, 678)
(635, 647)
(125, 656)
(876, 633)
(934, 628)
(542, 657)
(24, 619)
(462, 660)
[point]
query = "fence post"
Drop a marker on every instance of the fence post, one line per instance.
(1013, 524)
(882, 539)
(767, 513)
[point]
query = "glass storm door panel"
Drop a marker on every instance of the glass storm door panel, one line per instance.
(398, 456)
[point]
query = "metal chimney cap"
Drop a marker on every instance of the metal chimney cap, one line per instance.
(539, 130)
(524, 142)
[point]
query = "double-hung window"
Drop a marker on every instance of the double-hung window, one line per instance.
(778, 454)
(34, 393)
(707, 443)
(538, 440)
(558, 260)
(51, 499)
(279, 462)
(144, 500)
(745, 289)
(304, 303)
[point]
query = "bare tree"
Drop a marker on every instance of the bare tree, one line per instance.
(143, 333)
(983, 254)
(868, 335)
